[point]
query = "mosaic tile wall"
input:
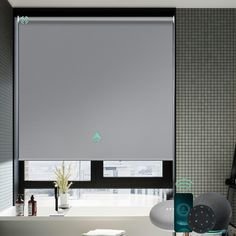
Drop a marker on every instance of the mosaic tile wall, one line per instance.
(6, 93)
(206, 96)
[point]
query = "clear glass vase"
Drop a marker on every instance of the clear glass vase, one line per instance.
(64, 200)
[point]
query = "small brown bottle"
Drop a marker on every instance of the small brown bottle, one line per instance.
(32, 207)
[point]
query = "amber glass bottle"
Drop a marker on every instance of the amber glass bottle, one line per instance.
(32, 207)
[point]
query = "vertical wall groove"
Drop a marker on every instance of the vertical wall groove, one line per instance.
(205, 96)
(6, 108)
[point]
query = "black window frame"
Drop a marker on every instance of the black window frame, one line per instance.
(97, 179)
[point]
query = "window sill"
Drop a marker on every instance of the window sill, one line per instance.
(96, 206)
(47, 213)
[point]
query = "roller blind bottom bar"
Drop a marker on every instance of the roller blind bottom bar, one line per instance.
(91, 158)
(99, 19)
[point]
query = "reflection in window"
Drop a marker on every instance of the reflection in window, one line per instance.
(44, 170)
(132, 168)
(103, 197)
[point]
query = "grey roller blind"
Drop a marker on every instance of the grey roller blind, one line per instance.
(96, 89)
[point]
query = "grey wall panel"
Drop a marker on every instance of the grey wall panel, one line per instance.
(78, 78)
(205, 97)
(6, 109)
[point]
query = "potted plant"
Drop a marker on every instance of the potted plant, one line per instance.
(62, 182)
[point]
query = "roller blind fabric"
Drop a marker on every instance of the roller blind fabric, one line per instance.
(96, 89)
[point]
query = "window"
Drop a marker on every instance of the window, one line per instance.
(131, 183)
(81, 170)
(97, 180)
